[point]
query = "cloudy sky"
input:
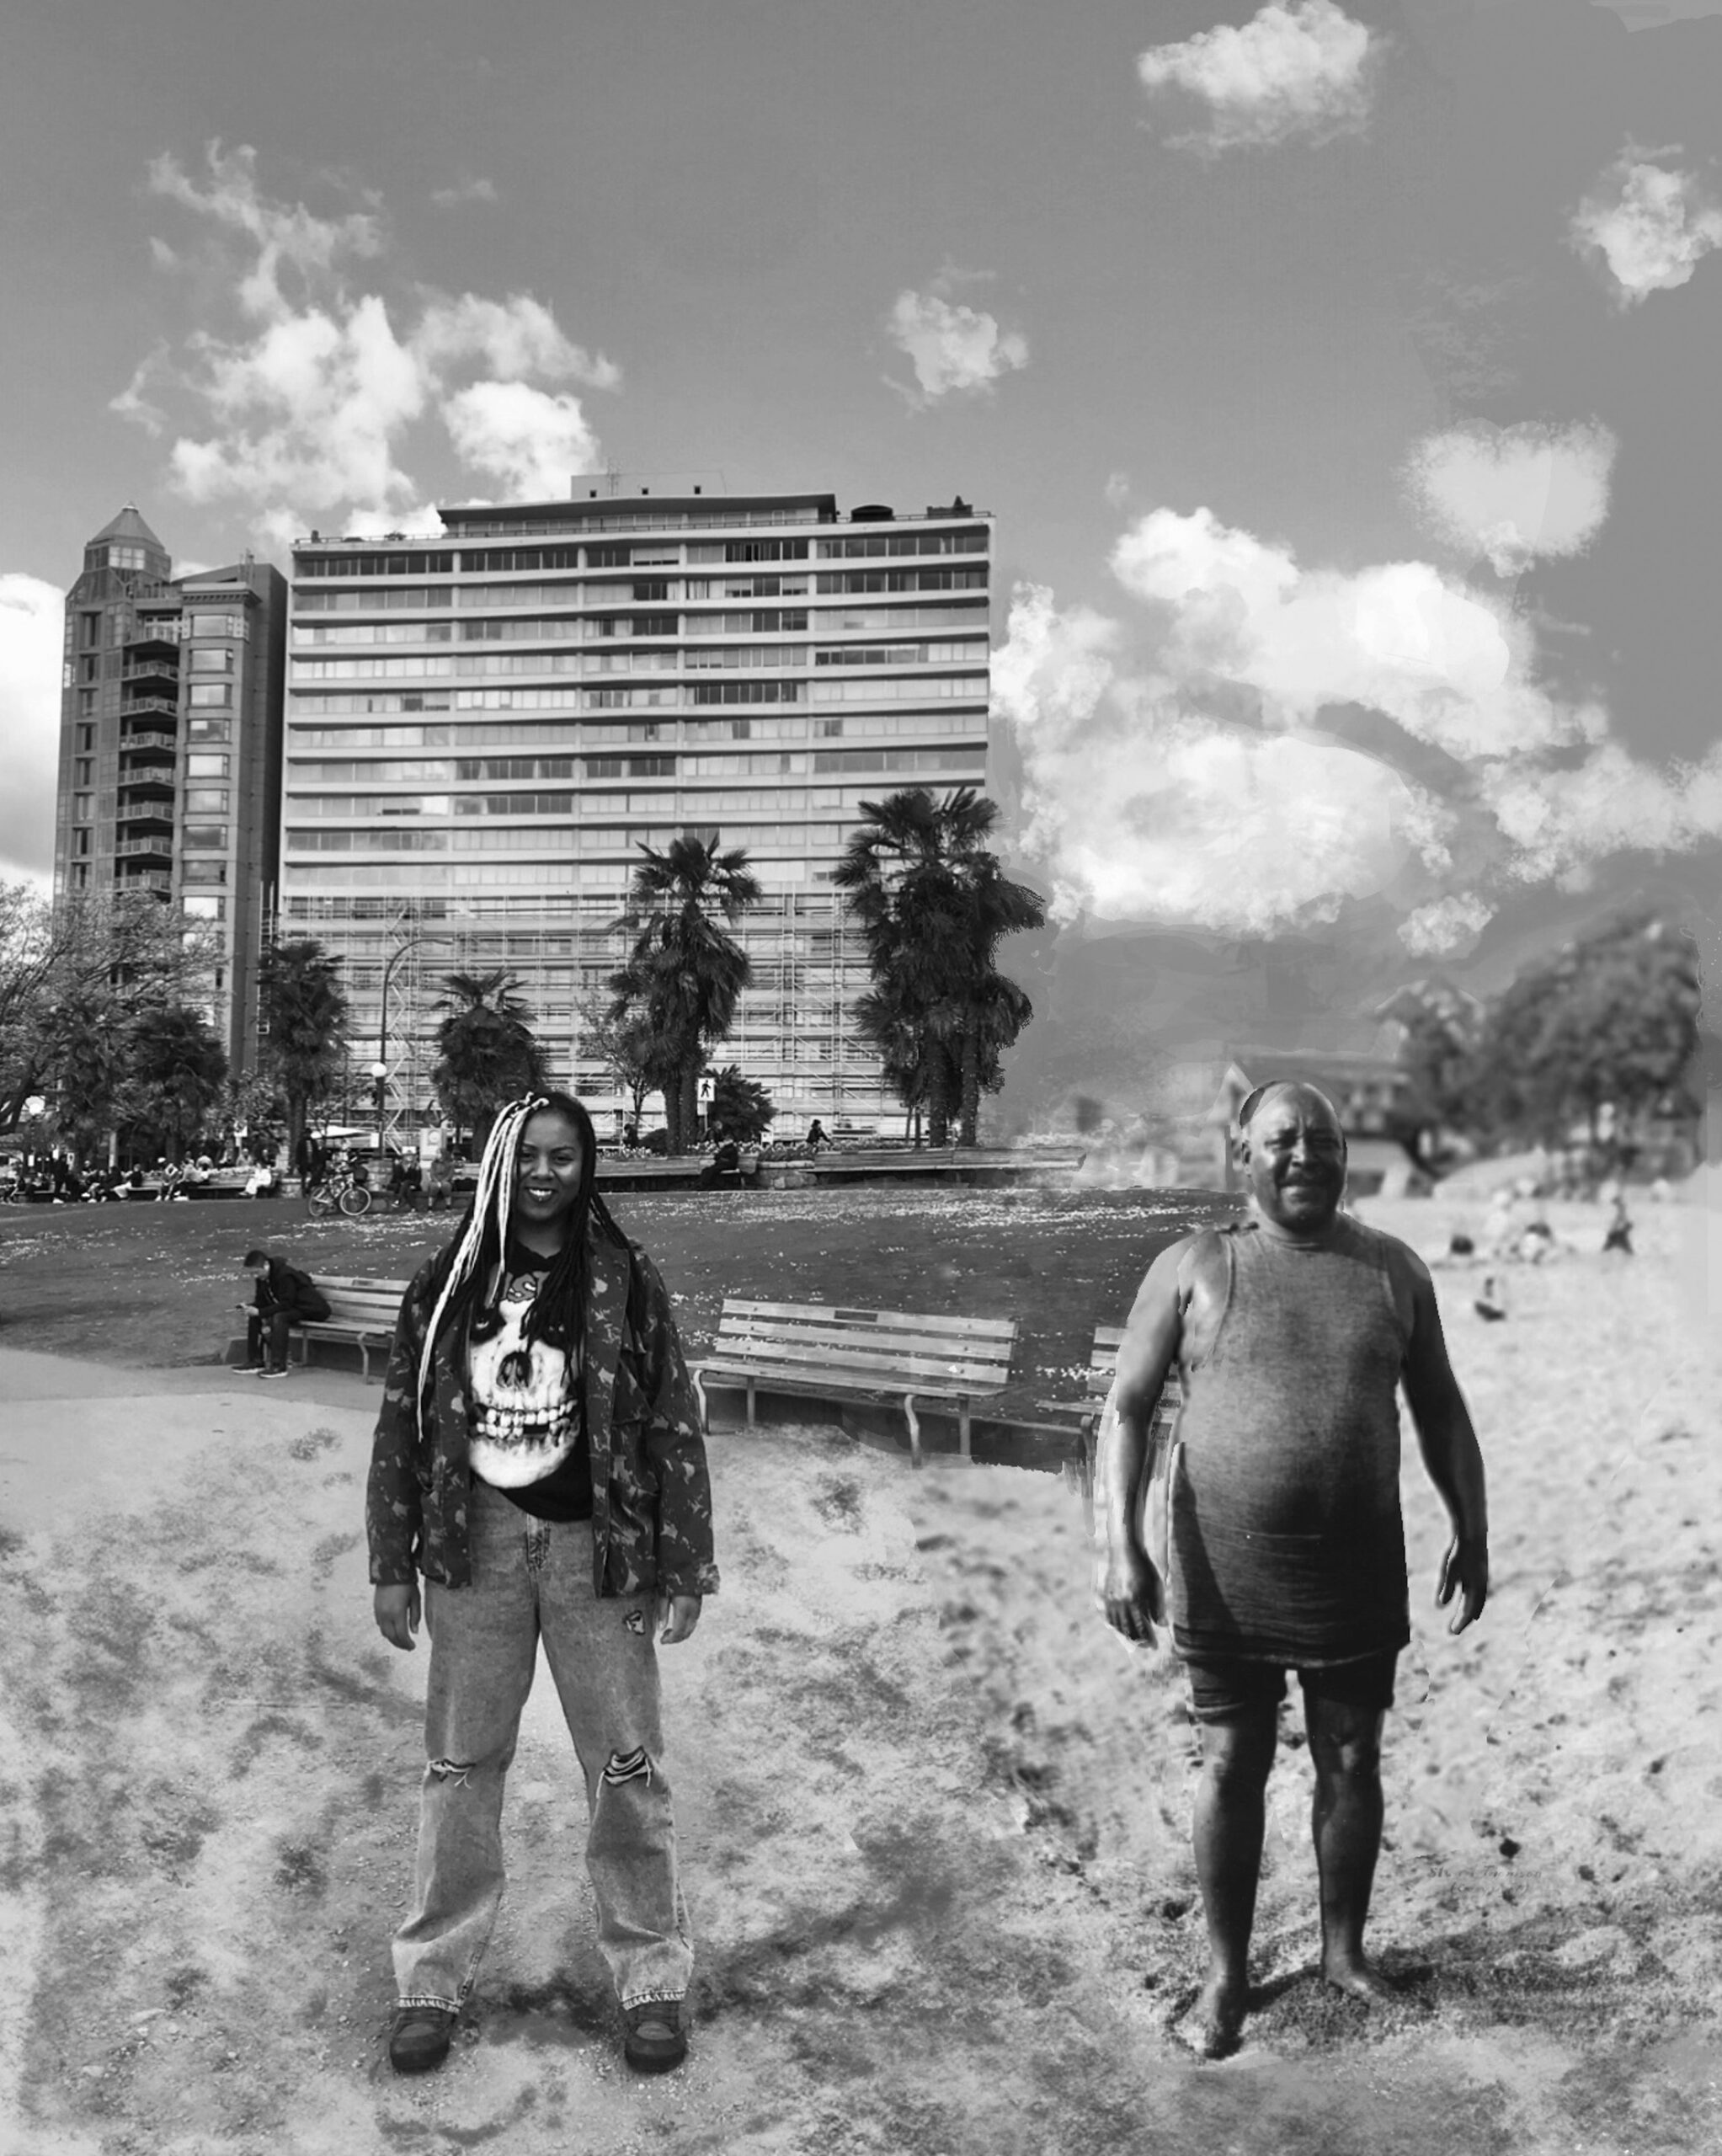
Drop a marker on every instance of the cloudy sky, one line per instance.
(1343, 379)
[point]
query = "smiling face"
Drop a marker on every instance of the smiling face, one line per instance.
(549, 1164)
(1294, 1159)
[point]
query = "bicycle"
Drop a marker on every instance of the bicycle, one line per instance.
(352, 1198)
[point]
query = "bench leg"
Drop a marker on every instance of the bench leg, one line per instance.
(700, 1395)
(750, 1403)
(915, 1429)
(963, 1438)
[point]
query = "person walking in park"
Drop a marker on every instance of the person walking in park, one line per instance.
(1291, 1331)
(539, 1459)
(284, 1297)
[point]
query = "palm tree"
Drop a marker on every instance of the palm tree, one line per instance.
(686, 972)
(303, 1008)
(487, 1051)
(933, 907)
(176, 1069)
(85, 1042)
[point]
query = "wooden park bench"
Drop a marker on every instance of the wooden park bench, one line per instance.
(833, 1354)
(1097, 1387)
(361, 1311)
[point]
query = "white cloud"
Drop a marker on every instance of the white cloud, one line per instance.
(1146, 809)
(1651, 227)
(1563, 821)
(285, 236)
(1514, 494)
(465, 191)
(514, 338)
(1304, 72)
(956, 349)
(529, 440)
(32, 628)
(1452, 667)
(1446, 928)
(1186, 764)
(304, 413)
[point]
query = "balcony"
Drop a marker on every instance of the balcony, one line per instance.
(151, 670)
(135, 705)
(155, 634)
(147, 879)
(151, 743)
(151, 812)
(161, 848)
(144, 785)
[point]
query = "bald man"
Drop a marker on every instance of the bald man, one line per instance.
(1291, 1332)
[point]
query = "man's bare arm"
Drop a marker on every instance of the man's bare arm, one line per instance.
(1450, 1454)
(1126, 1587)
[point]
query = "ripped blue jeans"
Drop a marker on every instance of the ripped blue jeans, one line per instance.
(532, 1580)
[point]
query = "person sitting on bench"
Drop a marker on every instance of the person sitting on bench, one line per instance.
(284, 1297)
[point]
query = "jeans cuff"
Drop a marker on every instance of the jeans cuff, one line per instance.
(429, 1998)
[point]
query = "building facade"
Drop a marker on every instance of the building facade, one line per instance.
(482, 729)
(170, 750)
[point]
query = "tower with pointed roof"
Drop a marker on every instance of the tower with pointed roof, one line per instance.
(170, 736)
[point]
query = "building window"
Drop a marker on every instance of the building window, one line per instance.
(86, 771)
(211, 658)
(205, 905)
(82, 838)
(217, 729)
(206, 801)
(82, 808)
(87, 670)
(81, 876)
(205, 872)
(86, 700)
(204, 766)
(206, 694)
(86, 740)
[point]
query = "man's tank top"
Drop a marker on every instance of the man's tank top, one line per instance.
(1288, 1543)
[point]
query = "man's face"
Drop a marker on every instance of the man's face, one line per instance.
(1294, 1156)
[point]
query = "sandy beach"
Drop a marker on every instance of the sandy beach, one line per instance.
(936, 1816)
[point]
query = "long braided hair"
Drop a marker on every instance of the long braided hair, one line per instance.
(469, 1277)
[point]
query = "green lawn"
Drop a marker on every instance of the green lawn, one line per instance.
(155, 1284)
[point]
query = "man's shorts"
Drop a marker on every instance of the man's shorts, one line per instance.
(1221, 1690)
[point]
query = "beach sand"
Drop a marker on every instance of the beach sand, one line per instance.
(935, 1815)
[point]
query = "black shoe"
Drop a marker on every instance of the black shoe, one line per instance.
(270, 1370)
(656, 2041)
(419, 2039)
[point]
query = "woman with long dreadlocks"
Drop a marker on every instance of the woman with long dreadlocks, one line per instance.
(539, 1459)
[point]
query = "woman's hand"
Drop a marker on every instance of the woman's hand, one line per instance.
(397, 1610)
(677, 1615)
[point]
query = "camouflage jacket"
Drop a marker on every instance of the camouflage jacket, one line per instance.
(651, 1493)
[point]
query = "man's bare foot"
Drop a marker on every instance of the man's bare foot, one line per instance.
(1216, 2020)
(1361, 1979)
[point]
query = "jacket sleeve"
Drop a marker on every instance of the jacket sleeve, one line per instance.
(393, 1513)
(675, 1448)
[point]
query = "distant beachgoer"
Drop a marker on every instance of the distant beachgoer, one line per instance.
(539, 1459)
(1489, 1303)
(1460, 1244)
(1291, 1332)
(1619, 1235)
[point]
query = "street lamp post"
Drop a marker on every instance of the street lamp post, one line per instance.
(379, 1077)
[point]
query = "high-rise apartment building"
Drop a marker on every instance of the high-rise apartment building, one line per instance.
(482, 729)
(170, 748)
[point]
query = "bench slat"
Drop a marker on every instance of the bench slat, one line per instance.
(745, 1340)
(790, 1379)
(763, 1355)
(984, 1328)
